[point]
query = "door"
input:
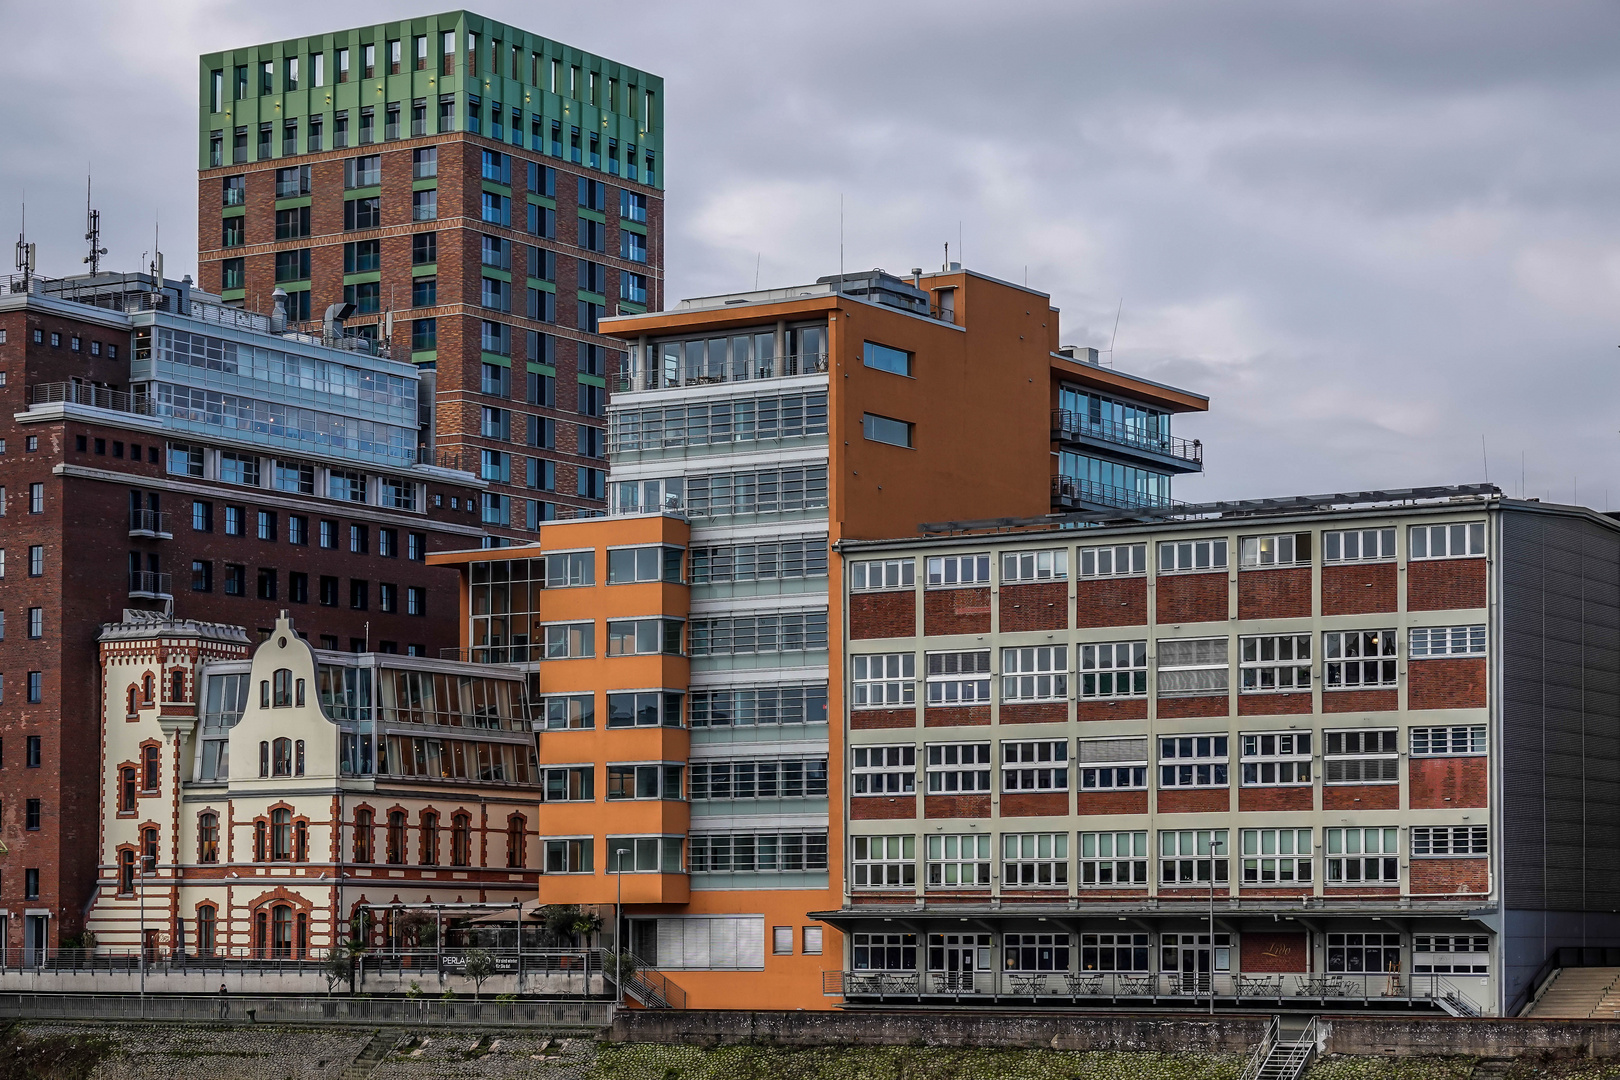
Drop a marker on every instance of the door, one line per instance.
(34, 927)
(1191, 963)
(1193, 969)
(149, 945)
(954, 958)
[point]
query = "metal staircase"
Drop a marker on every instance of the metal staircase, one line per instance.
(1284, 1053)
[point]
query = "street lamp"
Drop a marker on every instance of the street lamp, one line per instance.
(618, 939)
(148, 867)
(1214, 853)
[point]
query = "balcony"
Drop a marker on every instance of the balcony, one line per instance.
(1073, 493)
(150, 524)
(146, 585)
(766, 368)
(95, 397)
(1107, 990)
(494, 654)
(1160, 451)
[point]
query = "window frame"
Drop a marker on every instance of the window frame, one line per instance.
(1471, 533)
(1334, 545)
(1274, 550)
(1133, 556)
(1189, 767)
(953, 686)
(1091, 867)
(1473, 638)
(947, 769)
(898, 688)
(1336, 863)
(1337, 663)
(901, 773)
(1021, 773)
(1093, 674)
(1292, 761)
(1290, 675)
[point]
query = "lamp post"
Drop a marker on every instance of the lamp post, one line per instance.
(618, 939)
(1214, 853)
(148, 866)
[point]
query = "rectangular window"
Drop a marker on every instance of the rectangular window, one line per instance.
(266, 522)
(1193, 857)
(884, 862)
(1437, 841)
(36, 622)
(36, 495)
(568, 856)
(1192, 555)
(958, 678)
(959, 860)
(884, 770)
(883, 681)
(958, 768)
(644, 637)
(950, 570)
(885, 358)
(1448, 741)
(1035, 766)
(1035, 674)
(645, 709)
(1276, 856)
(1446, 541)
(1361, 757)
(883, 574)
(1275, 663)
(1115, 560)
(1192, 666)
(1449, 954)
(1050, 565)
(1362, 856)
(1284, 549)
(565, 641)
(1428, 642)
(766, 705)
(234, 517)
(1358, 659)
(424, 248)
(1113, 859)
(1193, 761)
(1277, 759)
(643, 782)
(1358, 545)
(570, 712)
(786, 778)
(362, 213)
(202, 575)
(884, 429)
(1117, 764)
(570, 569)
(1113, 669)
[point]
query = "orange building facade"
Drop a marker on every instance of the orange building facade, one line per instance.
(686, 652)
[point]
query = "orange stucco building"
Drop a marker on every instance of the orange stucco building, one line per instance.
(685, 652)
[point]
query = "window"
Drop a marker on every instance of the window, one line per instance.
(883, 574)
(801, 558)
(1110, 859)
(1449, 954)
(638, 637)
(645, 709)
(1113, 764)
(36, 687)
(415, 600)
(1035, 766)
(208, 837)
(1446, 541)
(1035, 674)
(1358, 659)
(387, 597)
(958, 678)
(1193, 856)
(233, 232)
(32, 814)
(1358, 545)
(424, 248)
(884, 770)
(1436, 841)
(1274, 663)
(566, 712)
(572, 784)
(461, 842)
(884, 680)
(1192, 555)
(415, 546)
(126, 789)
(266, 522)
(36, 622)
(959, 860)
(569, 640)
(1117, 560)
(1113, 669)
(36, 560)
(36, 498)
(1448, 741)
(1276, 759)
(1362, 856)
(329, 593)
(958, 768)
(362, 213)
(297, 529)
(766, 705)
(329, 531)
(1435, 641)
(202, 575)
(769, 852)
(643, 564)
(885, 952)
(359, 539)
(1276, 856)
(786, 778)
(1192, 666)
(1050, 565)
(31, 757)
(1286, 549)
(1193, 761)
(183, 460)
(570, 569)
(952, 570)
(345, 486)
(885, 358)
(430, 839)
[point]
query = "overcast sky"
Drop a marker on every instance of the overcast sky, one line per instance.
(1382, 237)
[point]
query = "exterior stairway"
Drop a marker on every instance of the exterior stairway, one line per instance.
(1286, 1051)
(1579, 993)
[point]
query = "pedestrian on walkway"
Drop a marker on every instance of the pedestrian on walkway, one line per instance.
(224, 1003)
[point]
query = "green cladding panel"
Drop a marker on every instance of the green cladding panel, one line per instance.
(240, 90)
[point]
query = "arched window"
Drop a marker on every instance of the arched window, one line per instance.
(149, 768)
(298, 755)
(126, 872)
(460, 840)
(362, 836)
(301, 936)
(264, 759)
(146, 688)
(261, 935)
(208, 837)
(130, 709)
(177, 685)
(259, 836)
(396, 836)
(516, 843)
(280, 835)
(281, 696)
(149, 851)
(126, 789)
(430, 839)
(281, 928)
(281, 757)
(301, 841)
(206, 921)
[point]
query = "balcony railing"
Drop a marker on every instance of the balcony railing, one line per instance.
(796, 364)
(1101, 988)
(650, 987)
(150, 524)
(1073, 490)
(1068, 424)
(146, 585)
(494, 654)
(96, 397)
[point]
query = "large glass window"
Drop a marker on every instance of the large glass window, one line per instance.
(1276, 759)
(1192, 666)
(1277, 662)
(958, 678)
(1193, 761)
(883, 770)
(1193, 856)
(883, 680)
(1035, 766)
(1358, 659)
(883, 862)
(1113, 669)
(1117, 764)
(1111, 859)
(1276, 856)
(958, 768)
(959, 860)
(1362, 856)
(1035, 674)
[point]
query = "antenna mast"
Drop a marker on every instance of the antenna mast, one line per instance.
(25, 252)
(92, 232)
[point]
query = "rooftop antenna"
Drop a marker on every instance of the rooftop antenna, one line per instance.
(25, 251)
(1117, 312)
(840, 242)
(92, 233)
(757, 258)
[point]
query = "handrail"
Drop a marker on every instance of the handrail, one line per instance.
(652, 987)
(1068, 421)
(1073, 487)
(96, 397)
(1258, 1058)
(149, 521)
(1561, 957)
(147, 583)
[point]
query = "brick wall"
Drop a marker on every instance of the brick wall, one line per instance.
(1274, 952)
(1110, 602)
(1112, 802)
(883, 615)
(1361, 797)
(871, 719)
(882, 808)
(1191, 598)
(1041, 606)
(1042, 712)
(1194, 800)
(1035, 804)
(956, 611)
(1123, 709)
(956, 716)
(1276, 798)
(1444, 584)
(1451, 683)
(1446, 783)
(1343, 701)
(1359, 588)
(1275, 594)
(1173, 708)
(956, 806)
(1449, 876)
(1273, 704)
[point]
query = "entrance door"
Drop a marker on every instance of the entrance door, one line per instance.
(34, 939)
(1191, 963)
(149, 945)
(953, 959)
(1193, 969)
